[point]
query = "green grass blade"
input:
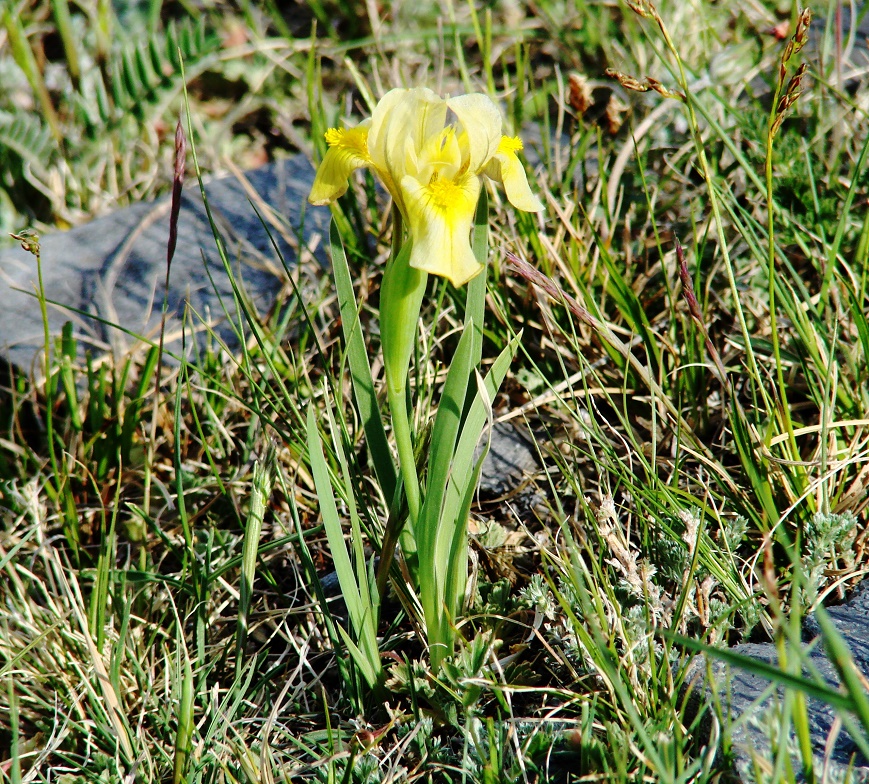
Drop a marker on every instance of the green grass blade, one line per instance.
(366, 626)
(755, 471)
(260, 493)
(350, 590)
(844, 219)
(332, 521)
(184, 733)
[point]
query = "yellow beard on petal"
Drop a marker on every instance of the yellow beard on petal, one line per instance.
(441, 213)
(448, 198)
(348, 151)
(509, 145)
(352, 140)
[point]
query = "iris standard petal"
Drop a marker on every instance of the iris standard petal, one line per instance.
(506, 168)
(481, 124)
(441, 156)
(440, 215)
(348, 150)
(388, 110)
(401, 116)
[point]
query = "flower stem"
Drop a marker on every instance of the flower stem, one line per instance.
(403, 440)
(400, 300)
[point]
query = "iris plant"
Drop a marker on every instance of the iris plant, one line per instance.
(433, 156)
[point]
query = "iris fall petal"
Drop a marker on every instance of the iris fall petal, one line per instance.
(506, 168)
(441, 214)
(348, 151)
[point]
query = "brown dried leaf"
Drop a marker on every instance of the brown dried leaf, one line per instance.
(614, 111)
(579, 98)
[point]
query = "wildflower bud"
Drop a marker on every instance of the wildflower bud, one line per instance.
(697, 314)
(539, 280)
(785, 58)
(177, 184)
(798, 40)
(792, 92)
(688, 286)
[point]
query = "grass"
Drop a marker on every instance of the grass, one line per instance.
(692, 364)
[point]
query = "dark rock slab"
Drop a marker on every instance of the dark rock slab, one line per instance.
(511, 458)
(749, 701)
(852, 621)
(114, 267)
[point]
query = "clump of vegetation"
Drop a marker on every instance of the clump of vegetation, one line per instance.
(692, 311)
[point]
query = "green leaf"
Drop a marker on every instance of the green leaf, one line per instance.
(475, 304)
(451, 547)
(360, 369)
(443, 442)
(766, 670)
(27, 137)
(371, 674)
(472, 428)
(457, 574)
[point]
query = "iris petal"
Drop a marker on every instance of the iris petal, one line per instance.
(441, 156)
(506, 168)
(400, 117)
(440, 216)
(348, 151)
(481, 122)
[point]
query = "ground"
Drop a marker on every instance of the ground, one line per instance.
(691, 370)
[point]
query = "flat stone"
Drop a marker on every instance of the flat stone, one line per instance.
(511, 458)
(852, 621)
(113, 269)
(749, 701)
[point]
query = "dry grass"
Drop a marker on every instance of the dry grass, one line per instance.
(694, 477)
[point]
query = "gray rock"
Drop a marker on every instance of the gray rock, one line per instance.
(749, 701)
(852, 620)
(511, 458)
(113, 269)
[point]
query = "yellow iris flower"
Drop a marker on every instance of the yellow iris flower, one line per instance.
(432, 170)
